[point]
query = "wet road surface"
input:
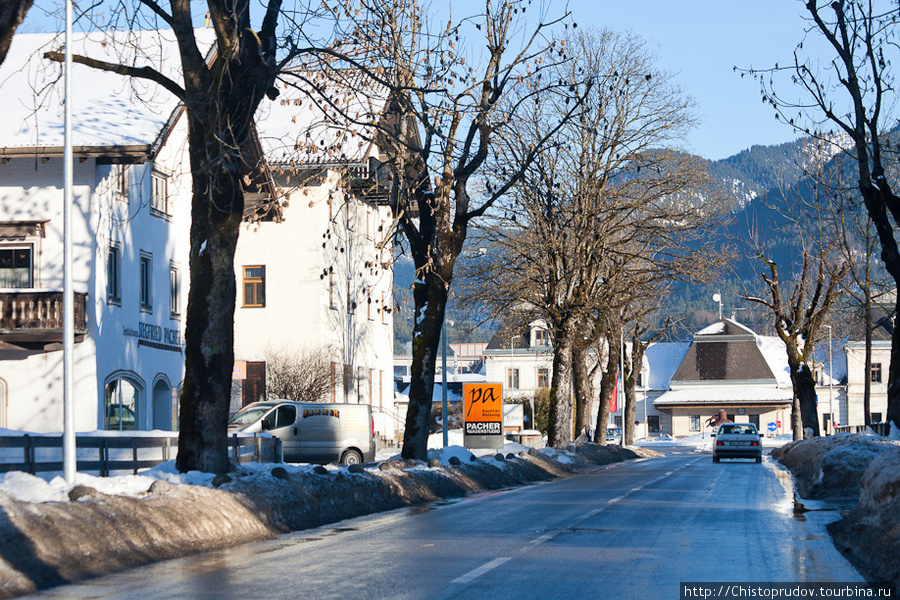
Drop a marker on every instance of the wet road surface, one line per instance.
(633, 530)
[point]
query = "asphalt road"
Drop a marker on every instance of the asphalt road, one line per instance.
(636, 530)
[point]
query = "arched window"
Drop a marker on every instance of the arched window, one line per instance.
(162, 405)
(123, 403)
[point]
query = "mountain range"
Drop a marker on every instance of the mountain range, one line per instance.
(765, 183)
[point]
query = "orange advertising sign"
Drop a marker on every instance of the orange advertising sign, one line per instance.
(483, 408)
(240, 370)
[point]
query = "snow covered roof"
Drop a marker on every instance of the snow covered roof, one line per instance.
(296, 129)
(108, 109)
(725, 327)
(717, 394)
(727, 352)
(775, 355)
(663, 359)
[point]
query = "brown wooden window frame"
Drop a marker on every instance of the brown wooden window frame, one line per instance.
(875, 373)
(258, 283)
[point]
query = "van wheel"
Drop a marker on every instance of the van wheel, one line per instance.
(351, 457)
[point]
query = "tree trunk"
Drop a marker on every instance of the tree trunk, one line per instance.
(805, 392)
(796, 421)
(633, 371)
(559, 432)
(209, 328)
(430, 304)
(893, 400)
(12, 13)
(607, 387)
(877, 201)
(584, 389)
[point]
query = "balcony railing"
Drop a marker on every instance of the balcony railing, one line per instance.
(36, 318)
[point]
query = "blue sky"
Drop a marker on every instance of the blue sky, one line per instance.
(700, 41)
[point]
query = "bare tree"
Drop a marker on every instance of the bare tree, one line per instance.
(302, 375)
(797, 322)
(858, 245)
(611, 195)
(640, 338)
(220, 94)
(451, 100)
(853, 92)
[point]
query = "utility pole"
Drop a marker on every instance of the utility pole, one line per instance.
(68, 441)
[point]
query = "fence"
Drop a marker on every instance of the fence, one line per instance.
(882, 429)
(109, 454)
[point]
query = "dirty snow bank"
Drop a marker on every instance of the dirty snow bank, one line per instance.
(868, 467)
(81, 532)
(833, 466)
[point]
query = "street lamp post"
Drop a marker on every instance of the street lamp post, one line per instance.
(446, 412)
(830, 380)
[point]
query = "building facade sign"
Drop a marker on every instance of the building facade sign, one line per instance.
(154, 336)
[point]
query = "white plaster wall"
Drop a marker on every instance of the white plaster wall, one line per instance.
(856, 374)
(301, 254)
(166, 239)
(31, 190)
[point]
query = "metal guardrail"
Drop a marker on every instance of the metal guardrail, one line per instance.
(108, 454)
(882, 429)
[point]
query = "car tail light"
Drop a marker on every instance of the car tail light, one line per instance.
(372, 423)
(720, 443)
(754, 443)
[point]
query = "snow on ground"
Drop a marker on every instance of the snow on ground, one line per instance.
(702, 442)
(49, 487)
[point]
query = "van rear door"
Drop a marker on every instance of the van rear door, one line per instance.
(320, 434)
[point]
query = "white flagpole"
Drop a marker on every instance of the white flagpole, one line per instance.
(69, 463)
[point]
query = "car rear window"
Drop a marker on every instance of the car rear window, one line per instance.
(738, 430)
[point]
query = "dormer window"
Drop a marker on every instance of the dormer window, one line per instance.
(541, 337)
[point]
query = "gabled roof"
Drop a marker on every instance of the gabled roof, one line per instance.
(724, 352)
(318, 118)
(109, 110)
(513, 333)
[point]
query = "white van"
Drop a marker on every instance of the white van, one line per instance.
(312, 432)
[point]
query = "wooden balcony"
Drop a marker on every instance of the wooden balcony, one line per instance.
(33, 320)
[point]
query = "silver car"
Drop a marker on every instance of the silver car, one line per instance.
(737, 440)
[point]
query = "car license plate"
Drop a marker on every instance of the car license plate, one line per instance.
(737, 443)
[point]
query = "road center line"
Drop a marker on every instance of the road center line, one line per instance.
(476, 573)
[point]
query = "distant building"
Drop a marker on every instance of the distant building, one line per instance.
(726, 366)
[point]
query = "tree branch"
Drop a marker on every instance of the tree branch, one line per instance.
(146, 73)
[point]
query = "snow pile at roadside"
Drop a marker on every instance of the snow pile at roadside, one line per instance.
(880, 485)
(870, 533)
(51, 534)
(864, 466)
(832, 466)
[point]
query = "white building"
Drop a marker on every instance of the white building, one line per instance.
(315, 273)
(726, 366)
(131, 218)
